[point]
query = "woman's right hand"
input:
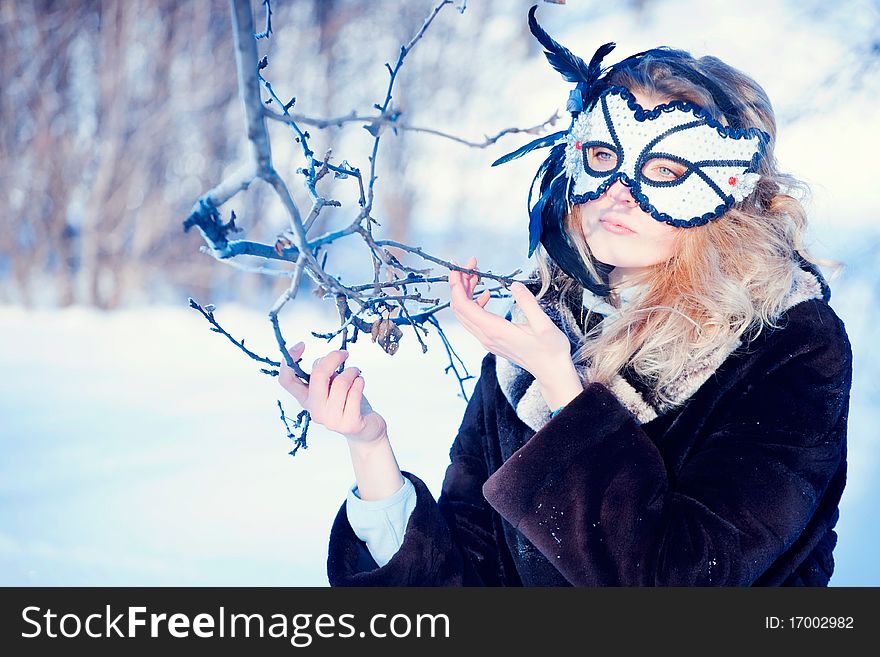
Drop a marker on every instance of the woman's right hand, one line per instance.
(335, 400)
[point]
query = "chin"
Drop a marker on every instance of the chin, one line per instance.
(607, 255)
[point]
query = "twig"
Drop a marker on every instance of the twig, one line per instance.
(393, 117)
(383, 109)
(208, 313)
(303, 419)
(265, 33)
(450, 352)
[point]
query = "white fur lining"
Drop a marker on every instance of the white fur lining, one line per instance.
(631, 398)
(533, 411)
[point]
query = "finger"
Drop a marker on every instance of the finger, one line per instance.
(472, 264)
(458, 287)
(354, 401)
(500, 346)
(296, 354)
(460, 298)
(475, 280)
(468, 311)
(529, 305)
(339, 390)
(297, 350)
(464, 279)
(290, 381)
(486, 336)
(470, 280)
(295, 387)
(469, 284)
(456, 282)
(467, 281)
(473, 329)
(454, 277)
(454, 262)
(483, 299)
(319, 379)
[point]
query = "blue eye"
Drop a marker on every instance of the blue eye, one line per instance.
(601, 158)
(663, 170)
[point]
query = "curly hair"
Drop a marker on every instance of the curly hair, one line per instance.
(726, 280)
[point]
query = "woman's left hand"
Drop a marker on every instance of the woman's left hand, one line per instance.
(538, 346)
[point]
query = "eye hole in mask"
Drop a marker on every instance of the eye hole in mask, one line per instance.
(600, 158)
(663, 170)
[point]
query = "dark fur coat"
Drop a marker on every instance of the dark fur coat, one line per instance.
(737, 485)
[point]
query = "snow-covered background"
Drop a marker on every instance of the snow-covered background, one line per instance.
(139, 448)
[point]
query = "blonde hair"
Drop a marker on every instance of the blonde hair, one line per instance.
(726, 280)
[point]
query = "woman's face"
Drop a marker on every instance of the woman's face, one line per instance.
(617, 230)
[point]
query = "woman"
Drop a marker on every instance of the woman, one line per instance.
(667, 405)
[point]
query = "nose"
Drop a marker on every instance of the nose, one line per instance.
(620, 193)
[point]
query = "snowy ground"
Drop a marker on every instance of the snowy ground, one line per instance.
(138, 448)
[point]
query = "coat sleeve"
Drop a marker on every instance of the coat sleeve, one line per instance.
(592, 492)
(449, 542)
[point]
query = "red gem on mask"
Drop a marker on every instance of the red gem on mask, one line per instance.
(731, 180)
(577, 145)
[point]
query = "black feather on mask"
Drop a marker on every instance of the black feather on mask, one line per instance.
(547, 216)
(547, 225)
(572, 67)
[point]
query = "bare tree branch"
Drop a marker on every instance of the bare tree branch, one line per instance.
(394, 119)
(378, 308)
(265, 33)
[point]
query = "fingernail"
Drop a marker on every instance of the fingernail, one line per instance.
(297, 346)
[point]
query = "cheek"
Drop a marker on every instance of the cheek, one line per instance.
(652, 246)
(664, 241)
(656, 239)
(588, 215)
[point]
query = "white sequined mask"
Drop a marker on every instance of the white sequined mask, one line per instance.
(682, 166)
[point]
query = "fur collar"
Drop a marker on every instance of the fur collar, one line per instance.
(523, 392)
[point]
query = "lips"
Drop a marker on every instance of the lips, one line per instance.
(616, 222)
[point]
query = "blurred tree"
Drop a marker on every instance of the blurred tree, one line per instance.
(115, 115)
(103, 126)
